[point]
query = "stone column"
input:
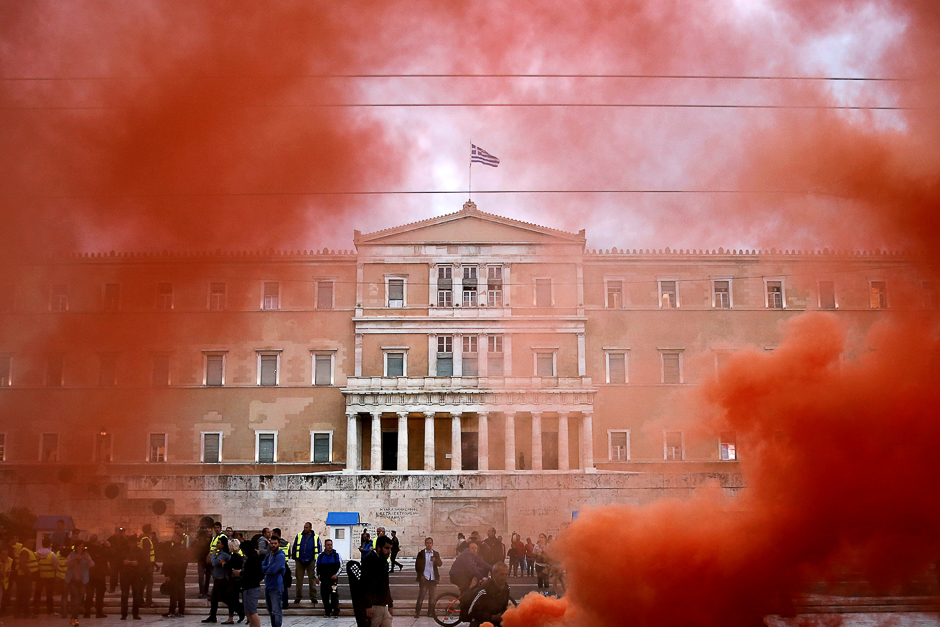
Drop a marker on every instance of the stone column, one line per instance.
(536, 440)
(455, 457)
(352, 444)
(358, 355)
(582, 358)
(458, 355)
(510, 440)
(429, 440)
(562, 441)
(483, 441)
(375, 461)
(402, 441)
(587, 443)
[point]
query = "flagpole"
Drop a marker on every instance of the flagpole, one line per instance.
(470, 174)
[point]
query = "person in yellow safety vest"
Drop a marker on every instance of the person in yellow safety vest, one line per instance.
(61, 589)
(6, 566)
(48, 567)
(379, 533)
(214, 543)
(145, 544)
(27, 571)
(178, 528)
(305, 550)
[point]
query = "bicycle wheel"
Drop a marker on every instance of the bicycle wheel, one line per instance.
(447, 609)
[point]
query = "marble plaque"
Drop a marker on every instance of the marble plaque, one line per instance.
(452, 514)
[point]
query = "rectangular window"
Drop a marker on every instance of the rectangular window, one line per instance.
(321, 447)
(272, 295)
(774, 294)
(156, 449)
(325, 295)
(7, 297)
(394, 364)
(216, 296)
(879, 295)
(470, 298)
(107, 371)
(164, 296)
(445, 286)
(469, 359)
(211, 447)
(470, 274)
(3, 447)
(672, 367)
(616, 368)
(545, 364)
(668, 296)
(827, 295)
(543, 292)
(931, 300)
(445, 298)
(6, 371)
(215, 369)
(59, 298)
(494, 356)
(49, 447)
(265, 447)
(721, 290)
(103, 448)
(112, 297)
(322, 369)
(727, 447)
(674, 451)
(396, 293)
(619, 445)
(445, 355)
(494, 286)
(55, 371)
(161, 371)
(614, 294)
(268, 368)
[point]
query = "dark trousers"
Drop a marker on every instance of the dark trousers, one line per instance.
(428, 587)
(76, 596)
(205, 578)
(233, 598)
(308, 569)
(94, 594)
(47, 585)
(131, 584)
(24, 589)
(218, 594)
(115, 574)
(330, 598)
(177, 594)
(147, 583)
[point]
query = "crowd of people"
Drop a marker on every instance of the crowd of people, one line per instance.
(69, 575)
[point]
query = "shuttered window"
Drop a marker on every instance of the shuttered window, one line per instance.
(396, 293)
(157, 448)
(266, 448)
(321, 448)
(211, 448)
(672, 372)
(545, 365)
(215, 367)
(324, 295)
(616, 368)
(394, 364)
(323, 370)
(268, 365)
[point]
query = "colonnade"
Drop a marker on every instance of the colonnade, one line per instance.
(358, 420)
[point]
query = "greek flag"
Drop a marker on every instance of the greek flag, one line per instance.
(478, 155)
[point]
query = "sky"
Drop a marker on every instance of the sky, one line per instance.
(150, 125)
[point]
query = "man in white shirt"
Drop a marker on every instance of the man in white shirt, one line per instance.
(427, 564)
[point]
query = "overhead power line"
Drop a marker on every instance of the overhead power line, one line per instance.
(454, 105)
(736, 77)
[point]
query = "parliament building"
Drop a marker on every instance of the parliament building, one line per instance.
(459, 370)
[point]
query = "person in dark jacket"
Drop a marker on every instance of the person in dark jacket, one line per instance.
(377, 597)
(427, 563)
(491, 600)
(132, 561)
(328, 567)
(117, 542)
(94, 591)
(233, 574)
(396, 549)
(468, 569)
(251, 581)
(175, 562)
(492, 549)
(219, 583)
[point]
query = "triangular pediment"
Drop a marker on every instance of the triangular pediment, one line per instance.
(469, 226)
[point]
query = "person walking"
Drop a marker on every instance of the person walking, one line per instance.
(427, 565)
(305, 550)
(251, 581)
(377, 597)
(328, 567)
(273, 570)
(365, 545)
(396, 549)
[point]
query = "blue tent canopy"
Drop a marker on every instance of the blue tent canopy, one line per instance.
(48, 523)
(339, 519)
